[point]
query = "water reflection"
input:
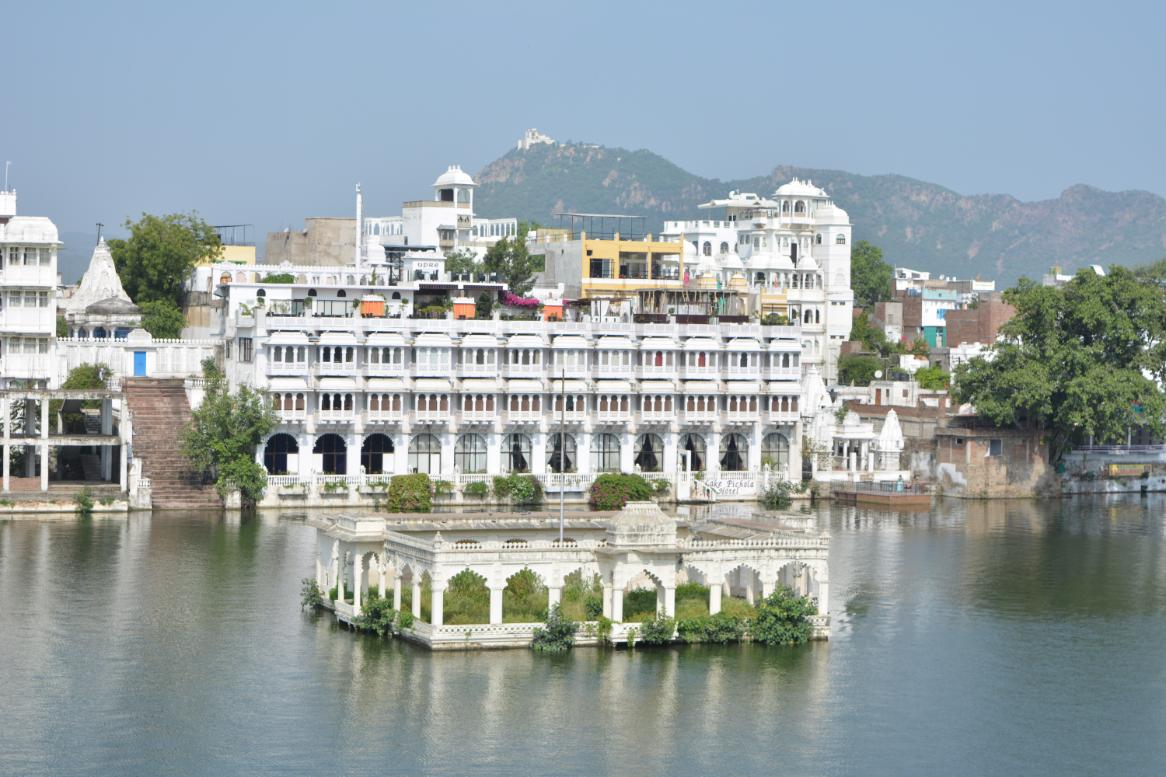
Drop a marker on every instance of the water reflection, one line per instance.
(974, 638)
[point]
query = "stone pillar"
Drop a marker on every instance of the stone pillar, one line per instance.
(7, 467)
(416, 596)
(669, 601)
(107, 450)
(823, 597)
(554, 596)
(496, 605)
(6, 421)
(617, 605)
(358, 584)
(606, 598)
(747, 579)
(437, 606)
(123, 478)
(44, 463)
(714, 599)
(320, 581)
(382, 581)
(339, 581)
(767, 588)
(397, 593)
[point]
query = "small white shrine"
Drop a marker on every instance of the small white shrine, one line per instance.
(641, 546)
(100, 307)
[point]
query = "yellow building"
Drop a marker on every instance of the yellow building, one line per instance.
(622, 268)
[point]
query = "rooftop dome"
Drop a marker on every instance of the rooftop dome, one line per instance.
(29, 229)
(799, 188)
(100, 290)
(642, 523)
(453, 176)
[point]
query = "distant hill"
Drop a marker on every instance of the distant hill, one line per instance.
(917, 224)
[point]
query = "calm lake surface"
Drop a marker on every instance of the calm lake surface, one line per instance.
(1004, 638)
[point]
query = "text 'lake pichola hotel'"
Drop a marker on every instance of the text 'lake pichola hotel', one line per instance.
(702, 349)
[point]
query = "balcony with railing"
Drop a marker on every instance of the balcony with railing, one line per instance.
(291, 415)
(479, 416)
(700, 417)
(287, 368)
(383, 417)
(616, 416)
(524, 416)
(431, 416)
(706, 372)
(336, 416)
(335, 368)
(657, 417)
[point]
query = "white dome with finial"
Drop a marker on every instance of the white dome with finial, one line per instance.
(453, 176)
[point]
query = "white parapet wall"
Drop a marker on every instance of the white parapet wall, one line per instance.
(138, 355)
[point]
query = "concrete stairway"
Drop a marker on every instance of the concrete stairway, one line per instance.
(160, 410)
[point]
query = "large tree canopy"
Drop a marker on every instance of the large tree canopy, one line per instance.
(1084, 361)
(871, 278)
(156, 260)
(513, 263)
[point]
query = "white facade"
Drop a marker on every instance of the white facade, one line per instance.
(466, 399)
(796, 243)
(28, 296)
(446, 222)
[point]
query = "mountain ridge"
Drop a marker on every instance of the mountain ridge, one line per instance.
(916, 223)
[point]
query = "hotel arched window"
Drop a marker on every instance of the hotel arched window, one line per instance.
(818, 238)
(724, 248)
(516, 452)
(800, 207)
(649, 453)
(561, 457)
(775, 451)
(373, 452)
(469, 454)
(707, 248)
(275, 453)
(695, 446)
(333, 454)
(605, 453)
(840, 240)
(734, 453)
(785, 207)
(425, 454)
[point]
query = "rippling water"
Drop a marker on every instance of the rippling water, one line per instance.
(981, 638)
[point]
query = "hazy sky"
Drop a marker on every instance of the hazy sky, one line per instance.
(267, 112)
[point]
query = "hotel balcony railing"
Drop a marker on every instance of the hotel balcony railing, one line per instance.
(335, 368)
(336, 416)
(657, 416)
(525, 416)
(292, 416)
(613, 416)
(383, 416)
(571, 372)
(287, 368)
(752, 373)
(784, 416)
(431, 416)
(382, 368)
(653, 371)
(613, 370)
(478, 369)
(783, 373)
(741, 416)
(700, 416)
(701, 372)
(479, 416)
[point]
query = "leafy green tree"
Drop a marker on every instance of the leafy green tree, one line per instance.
(1084, 361)
(162, 319)
(513, 263)
(161, 251)
(932, 378)
(871, 278)
(858, 369)
(461, 261)
(224, 432)
(83, 376)
(783, 619)
(871, 336)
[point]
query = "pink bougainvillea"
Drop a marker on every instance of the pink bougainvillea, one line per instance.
(515, 301)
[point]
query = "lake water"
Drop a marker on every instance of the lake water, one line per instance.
(1002, 638)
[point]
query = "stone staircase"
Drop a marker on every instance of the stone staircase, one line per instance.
(159, 409)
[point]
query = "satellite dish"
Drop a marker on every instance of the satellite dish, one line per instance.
(878, 374)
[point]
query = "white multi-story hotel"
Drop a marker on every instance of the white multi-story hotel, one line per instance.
(28, 297)
(793, 249)
(362, 386)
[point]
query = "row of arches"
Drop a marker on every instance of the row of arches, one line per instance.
(470, 453)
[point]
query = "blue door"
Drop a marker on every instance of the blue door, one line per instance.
(139, 364)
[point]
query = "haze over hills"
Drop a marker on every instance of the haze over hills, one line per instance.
(916, 223)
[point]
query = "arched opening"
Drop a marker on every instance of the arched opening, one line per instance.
(800, 578)
(582, 597)
(707, 248)
(775, 450)
(640, 598)
(605, 453)
(743, 586)
(517, 452)
(724, 247)
(275, 454)
(734, 453)
(466, 599)
(649, 452)
(694, 444)
(373, 452)
(469, 454)
(793, 253)
(524, 599)
(561, 457)
(425, 454)
(334, 454)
